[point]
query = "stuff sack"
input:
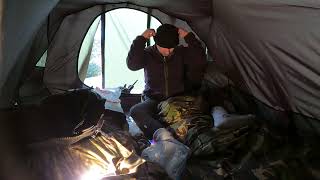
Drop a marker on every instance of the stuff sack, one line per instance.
(59, 115)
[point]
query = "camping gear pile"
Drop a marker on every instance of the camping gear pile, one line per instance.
(245, 150)
(98, 145)
(190, 147)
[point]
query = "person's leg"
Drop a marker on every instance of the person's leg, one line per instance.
(143, 114)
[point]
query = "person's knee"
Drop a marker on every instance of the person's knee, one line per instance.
(136, 111)
(143, 117)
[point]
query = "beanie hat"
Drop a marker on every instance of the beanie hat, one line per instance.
(167, 36)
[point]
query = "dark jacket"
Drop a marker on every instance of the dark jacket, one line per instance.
(168, 76)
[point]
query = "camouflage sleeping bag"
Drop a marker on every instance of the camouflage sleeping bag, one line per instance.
(184, 115)
(188, 118)
(246, 152)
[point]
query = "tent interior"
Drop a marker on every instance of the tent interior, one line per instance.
(263, 59)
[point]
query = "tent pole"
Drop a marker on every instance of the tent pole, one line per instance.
(103, 24)
(149, 24)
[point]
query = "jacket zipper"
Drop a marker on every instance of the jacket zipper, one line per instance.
(166, 74)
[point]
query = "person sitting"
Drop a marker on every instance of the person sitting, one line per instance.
(170, 69)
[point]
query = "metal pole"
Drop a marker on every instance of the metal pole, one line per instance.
(149, 24)
(103, 25)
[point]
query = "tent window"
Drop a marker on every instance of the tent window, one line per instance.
(42, 60)
(120, 31)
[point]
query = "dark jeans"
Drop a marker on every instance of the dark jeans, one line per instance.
(144, 115)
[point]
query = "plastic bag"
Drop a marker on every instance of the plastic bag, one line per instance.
(112, 97)
(169, 153)
(134, 130)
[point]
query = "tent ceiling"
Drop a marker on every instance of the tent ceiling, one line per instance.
(183, 7)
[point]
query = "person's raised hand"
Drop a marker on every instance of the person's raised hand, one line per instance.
(182, 33)
(148, 33)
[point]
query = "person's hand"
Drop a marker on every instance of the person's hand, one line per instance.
(182, 33)
(149, 33)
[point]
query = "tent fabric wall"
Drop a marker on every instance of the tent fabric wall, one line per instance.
(273, 47)
(61, 71)
(20, 22)
(221, 90)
